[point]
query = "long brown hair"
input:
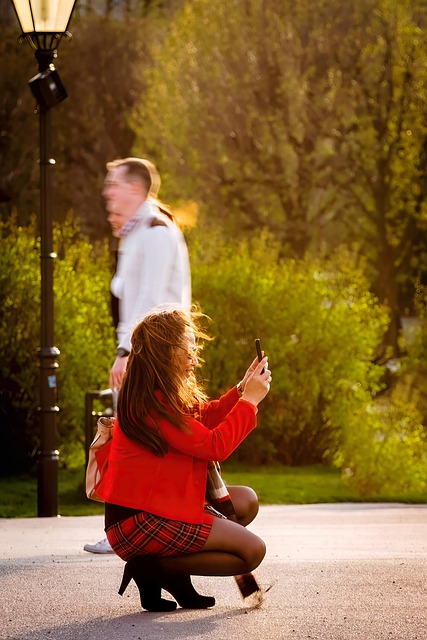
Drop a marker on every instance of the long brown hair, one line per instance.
(152, 367)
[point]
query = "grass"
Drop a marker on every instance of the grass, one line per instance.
(19, 496)
(306, 485)
(292, 485)
(274, 485)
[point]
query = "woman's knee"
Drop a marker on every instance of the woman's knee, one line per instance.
(253, 552)
(245, 502)
(256, 554)
(228, 537)
(252, 504)
(233, 538)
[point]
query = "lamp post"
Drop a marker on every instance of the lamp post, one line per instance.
(44, 23)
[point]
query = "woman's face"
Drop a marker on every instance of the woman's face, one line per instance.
(186, 355)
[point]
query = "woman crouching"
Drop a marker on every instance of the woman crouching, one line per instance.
(156, 515)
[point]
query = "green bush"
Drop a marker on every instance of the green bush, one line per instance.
(385, 442)
(19, 331)
(319, 326)
(384, 449)
(83, 333)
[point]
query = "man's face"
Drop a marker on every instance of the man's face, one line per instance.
(119, 196)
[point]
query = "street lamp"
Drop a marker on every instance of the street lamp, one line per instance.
(44, 23)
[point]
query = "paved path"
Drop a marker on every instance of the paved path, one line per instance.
(337, 572)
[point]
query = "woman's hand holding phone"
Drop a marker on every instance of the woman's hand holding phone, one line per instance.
(260, 378)
(257, 384)
(248, 373)
(253, 364)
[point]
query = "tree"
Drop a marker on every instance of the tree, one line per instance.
(18, 128)
(99, 70)
(241, 117)
(308, 121)
(384, 138)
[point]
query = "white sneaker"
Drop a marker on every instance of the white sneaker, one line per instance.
(103, 546)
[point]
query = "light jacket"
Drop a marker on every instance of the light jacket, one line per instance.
(153, 268)
(174, 486)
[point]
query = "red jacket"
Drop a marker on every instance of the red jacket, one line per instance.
(174, 486)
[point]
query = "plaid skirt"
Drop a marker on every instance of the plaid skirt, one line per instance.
(146, 533)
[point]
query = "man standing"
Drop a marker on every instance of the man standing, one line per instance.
(153, 266)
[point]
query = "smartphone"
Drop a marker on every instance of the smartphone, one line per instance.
(258, 351)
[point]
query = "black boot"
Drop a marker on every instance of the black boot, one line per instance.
(180, 587)
(146, 573)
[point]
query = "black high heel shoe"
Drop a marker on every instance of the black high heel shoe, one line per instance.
(143, 570)
(180, 587)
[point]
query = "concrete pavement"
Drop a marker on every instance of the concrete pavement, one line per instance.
(333, 572)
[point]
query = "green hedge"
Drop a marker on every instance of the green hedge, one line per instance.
(83, 333)
(318, 323)
(320, 328)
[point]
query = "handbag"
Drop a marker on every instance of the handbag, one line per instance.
(99, 452)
